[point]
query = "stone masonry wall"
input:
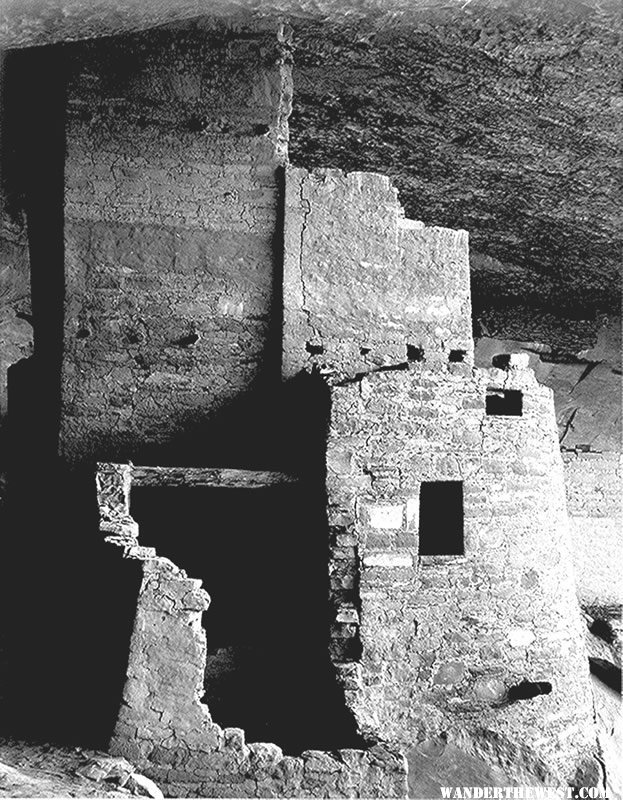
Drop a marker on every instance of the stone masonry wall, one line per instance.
(444, 638)
(433, 648)
(174, 141)
(165, 729)
(593, 482)
(362, 283)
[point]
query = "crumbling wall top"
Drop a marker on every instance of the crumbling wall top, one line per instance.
(364, 287)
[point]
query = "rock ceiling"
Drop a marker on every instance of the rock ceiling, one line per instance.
(503, 124)
(495, 116)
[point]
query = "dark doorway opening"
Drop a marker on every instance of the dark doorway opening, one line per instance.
(504, 402)
(262, 556)
(441, 518)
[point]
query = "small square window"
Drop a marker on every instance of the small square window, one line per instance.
(504, 402)
(414, 353)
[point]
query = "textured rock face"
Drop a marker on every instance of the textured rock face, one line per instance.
(499, 118)
(605, 654)
(30, 22)
(173, 145)
(501, 123)
(16, 335)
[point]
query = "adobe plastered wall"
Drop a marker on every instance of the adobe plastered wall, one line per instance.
(361, 282)
(174, 139)
(429, 647)
(165, 729)
(593, 482)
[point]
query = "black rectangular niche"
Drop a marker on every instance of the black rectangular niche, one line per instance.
(504, 402)
(441, 518)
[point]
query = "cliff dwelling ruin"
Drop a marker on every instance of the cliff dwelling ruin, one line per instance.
(283, 517)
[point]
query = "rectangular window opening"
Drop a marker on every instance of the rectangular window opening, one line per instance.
(314, 349)
(441, 518)
(504, 402)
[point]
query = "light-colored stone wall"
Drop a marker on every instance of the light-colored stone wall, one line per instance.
(362, 283)
(443, 638)
(429, 648)
(165, 729)
(174, 141)
(593, 482)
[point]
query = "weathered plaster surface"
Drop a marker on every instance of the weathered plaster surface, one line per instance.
(594, 502)
(173, 145)
(362, 283)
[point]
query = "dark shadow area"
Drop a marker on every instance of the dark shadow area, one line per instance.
(504, 403)
(501, 361)
(69, 600)
(526, 690)
(441, 518)
(608, 673)
(415, 353)
(33, 158)
(72, 597)
(602, 628)
(263, 557)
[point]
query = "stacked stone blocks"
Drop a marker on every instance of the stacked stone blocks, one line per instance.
(162, 724)
(434, 645)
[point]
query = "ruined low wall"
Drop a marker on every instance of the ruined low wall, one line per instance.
(593, 483)
(164, 728)
(363, 286)
(447, 642)
(174, 140)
